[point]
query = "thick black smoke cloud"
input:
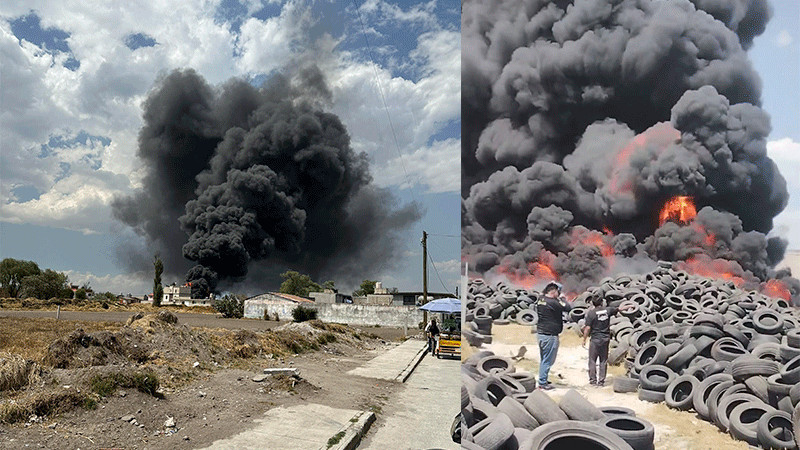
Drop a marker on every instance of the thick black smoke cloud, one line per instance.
(240, 178)
(582, 118)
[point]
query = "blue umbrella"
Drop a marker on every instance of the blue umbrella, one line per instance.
(443, 305)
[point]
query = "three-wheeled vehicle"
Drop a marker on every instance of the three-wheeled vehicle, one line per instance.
(450, 325)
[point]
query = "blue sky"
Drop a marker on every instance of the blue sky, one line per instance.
(776, 57)
(74, 78)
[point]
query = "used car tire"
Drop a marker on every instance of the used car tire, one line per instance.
(679, 393)
(519, 416)
(744, 420)
(562, 433)
(704, 390)
(491, 433)
(543, 408)
(625, 384)
(637, 432)
(726, 405)
(576, 407)
(651, 396)
(617, 411)
(656, 377)
(775, 430)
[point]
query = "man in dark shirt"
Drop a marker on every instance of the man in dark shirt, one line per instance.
(550, 309)
(598, 325)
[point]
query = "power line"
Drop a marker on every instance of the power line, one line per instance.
(437, 273)
(445, 235)
(383, 99)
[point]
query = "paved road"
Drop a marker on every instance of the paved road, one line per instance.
(419, 417)
(394, 364)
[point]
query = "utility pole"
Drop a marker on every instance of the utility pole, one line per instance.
(424, 274)
(424, 267)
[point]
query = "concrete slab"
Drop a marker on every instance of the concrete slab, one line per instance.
(396, 364)
(301, 427)
(420, 416)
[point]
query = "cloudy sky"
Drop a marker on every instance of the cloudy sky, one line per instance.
(75, 74)
(776, 56)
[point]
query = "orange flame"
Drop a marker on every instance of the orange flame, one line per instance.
(537, 273)
(777, 289)
(717, 268)
(679, 209)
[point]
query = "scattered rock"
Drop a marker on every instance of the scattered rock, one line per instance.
(186, 438)
(127, 418)
(201, 394)
(196, 364)
(170, 422)
(122, 393)
(52, 426)
(259, 378)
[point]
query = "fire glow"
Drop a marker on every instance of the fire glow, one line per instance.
(679, 209)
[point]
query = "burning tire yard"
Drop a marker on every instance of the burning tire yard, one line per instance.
(627, 284)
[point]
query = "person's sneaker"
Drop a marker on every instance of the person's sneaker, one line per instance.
(601, 383)
(592, 383)
(546, 387)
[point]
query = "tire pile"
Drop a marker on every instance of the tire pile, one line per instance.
(487, 306)
(502, 409)
(731, 356)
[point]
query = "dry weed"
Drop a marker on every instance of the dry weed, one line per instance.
(17, 372)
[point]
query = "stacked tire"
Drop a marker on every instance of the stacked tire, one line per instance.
(730, 356)
(501, 408)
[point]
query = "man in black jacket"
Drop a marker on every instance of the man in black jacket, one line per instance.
(550, 309)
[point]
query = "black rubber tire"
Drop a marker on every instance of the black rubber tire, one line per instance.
(492, 432)
(576, 407)
(758, 386)
(744, 420)
(625, 384)
(637, 432)
(767, 321)
(519, 416)
(794, 394)
(775, 430)
(565, 432)
(790, 372)
(679, 393)
(727, 349)
(793, 338)
(455, 429)
(788, 353)
(705, 330)
(495, 365)
(651, 353)
(492, 389)
(651, 396)
(543, 408)
(527, 317)
(526, 379)
(682, 358)
(766, 350)
(748, 366)
(777, 388)
(617, 411)
(704, 390)
(726, 405)
(617, 355)
(714, 397)
(713, 408)
(656, 377)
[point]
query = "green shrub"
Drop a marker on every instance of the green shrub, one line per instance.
(106, 384)
(302, 314)
(231, 306)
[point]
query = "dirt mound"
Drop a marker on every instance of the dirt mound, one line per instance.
(144, 338)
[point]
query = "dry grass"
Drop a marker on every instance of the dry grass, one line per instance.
(44, 404)
(95, 305)
(30, 338)
(17, 372)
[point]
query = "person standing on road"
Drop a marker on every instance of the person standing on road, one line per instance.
(550, 309)
(598, 326)
(432, 330)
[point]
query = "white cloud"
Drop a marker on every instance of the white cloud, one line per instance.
(136, 283)
(267, 45)
(433, 166)
(784, 39)
(786, 154)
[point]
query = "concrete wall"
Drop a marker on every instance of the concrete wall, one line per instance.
(351, 314)
(323, 297)
(377, 299)
(254, 308)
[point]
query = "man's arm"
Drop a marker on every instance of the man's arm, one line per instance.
(585, 334)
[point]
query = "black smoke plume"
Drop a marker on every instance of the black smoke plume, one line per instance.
(582, 118)
(240, 178)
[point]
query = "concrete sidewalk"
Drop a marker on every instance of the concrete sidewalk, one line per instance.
(396, 364)
(300, 427)
(421, 415)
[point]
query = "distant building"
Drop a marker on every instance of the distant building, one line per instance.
(273, 303)
(75, 287)
(393, 297)
(330, 296)
(180, 295)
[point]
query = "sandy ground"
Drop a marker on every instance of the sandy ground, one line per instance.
(674, 430)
